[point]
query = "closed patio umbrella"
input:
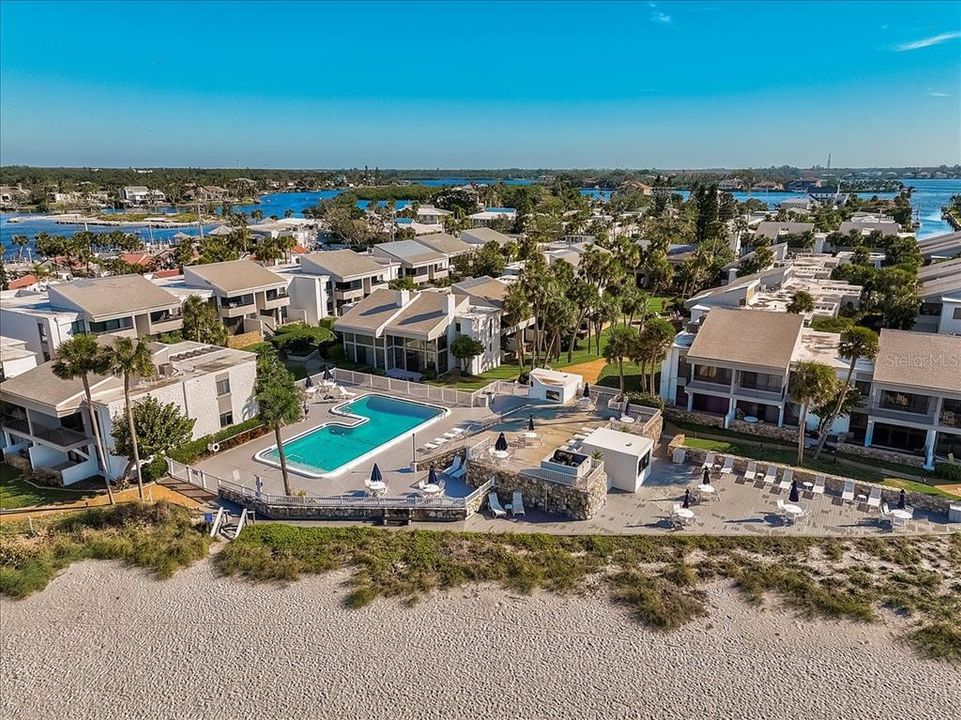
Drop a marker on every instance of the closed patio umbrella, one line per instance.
(327, 375)
(587, 391)
(707, 477)
(432, 476)
(501, 443)
(687, 498)
(902, 501)
(375, 475)
(794, 496)
(309, 383)
(530, 423)
(627, 407)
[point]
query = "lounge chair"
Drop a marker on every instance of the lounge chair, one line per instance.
(517, 504)
(495, 505)
(709, 460)
(818, 488)
(728, 467)
(428, 446)
(771, 475)
(786, 477)
(457, 431)
(751, 472)
(874, 499)
(847, 494)
(453, 467)
(440, 440)
(343, 392)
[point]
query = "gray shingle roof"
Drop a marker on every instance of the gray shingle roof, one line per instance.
(111, 296)
(747, 337)
(342, 263)
(924, 361)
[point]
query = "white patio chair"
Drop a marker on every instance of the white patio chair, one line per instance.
(728, 467)
(751, 472)
(847, 494)
(874, 499)
(771, 475)
(517, 504)
(428, 446)
(786, 477)
(818, 488)
(495, 506)
(709, 460)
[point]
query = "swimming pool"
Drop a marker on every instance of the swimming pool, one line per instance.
(332, 448)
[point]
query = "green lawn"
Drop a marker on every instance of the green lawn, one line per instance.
(787, 455)
(15, 492)
(476, 382)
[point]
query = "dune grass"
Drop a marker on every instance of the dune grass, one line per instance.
(658, 579)
(160, 538)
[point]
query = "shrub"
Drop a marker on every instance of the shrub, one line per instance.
(646, 400)
(948, 471)
(189, 452)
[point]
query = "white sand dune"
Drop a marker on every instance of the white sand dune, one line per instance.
(108, 642)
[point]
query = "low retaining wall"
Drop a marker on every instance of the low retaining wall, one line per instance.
(764, 430)
(409, 511)
(833, 484)
(575, 502)
(879, 454)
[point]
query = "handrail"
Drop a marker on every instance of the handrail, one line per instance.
(240, 523)
(215, 527)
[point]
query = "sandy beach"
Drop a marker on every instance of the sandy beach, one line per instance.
(107, 642)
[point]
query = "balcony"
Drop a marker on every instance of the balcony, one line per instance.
(237, 306)
(273, 299)
(759, 393)
(348, 294)
(950, 418)
(61, 437)
(18, 425)
(901, 416)
(166, 321)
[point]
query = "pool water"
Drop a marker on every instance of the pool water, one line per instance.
(332, 448)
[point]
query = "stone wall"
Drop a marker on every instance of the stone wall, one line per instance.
(879, 454)
(764, 430)
(698, 418)
(760, 429)
(833, 484)
(579, 503)
(413, 511)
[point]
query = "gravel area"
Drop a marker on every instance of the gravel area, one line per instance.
(107, 642)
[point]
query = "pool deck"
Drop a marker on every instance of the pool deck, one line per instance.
(740, 508)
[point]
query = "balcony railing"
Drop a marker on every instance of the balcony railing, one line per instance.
(61, 436)
(922, 418)
(16, 424)
(950, 418)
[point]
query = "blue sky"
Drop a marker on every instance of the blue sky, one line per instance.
(425, 85)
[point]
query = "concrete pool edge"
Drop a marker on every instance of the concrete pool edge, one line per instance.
(336, 410)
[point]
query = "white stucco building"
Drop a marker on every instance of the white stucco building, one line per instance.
(46, 424)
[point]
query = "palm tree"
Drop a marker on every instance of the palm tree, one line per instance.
(812, 383)
(278, 402)
(78, 357)
(654, 340)
(21, 241)
(856, 343)
(128, 360)
(517, 309)
(620, 344)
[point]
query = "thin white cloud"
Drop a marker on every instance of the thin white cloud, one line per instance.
(929, 41)
(939, 94)
(660, 18)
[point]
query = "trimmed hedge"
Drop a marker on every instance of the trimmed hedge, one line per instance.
(228, 437)
(948, 471)
(646, 400)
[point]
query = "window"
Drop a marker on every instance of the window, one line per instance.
(223, 387)
(643, 463)
(904, 402)
(957, 313)
(226, 418)
(111, 325)
(457, 327)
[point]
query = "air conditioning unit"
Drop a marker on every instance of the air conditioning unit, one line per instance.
(165, 369)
